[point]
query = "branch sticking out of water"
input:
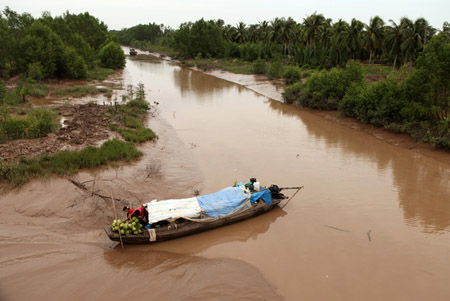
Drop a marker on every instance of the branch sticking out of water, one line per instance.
(343, 230)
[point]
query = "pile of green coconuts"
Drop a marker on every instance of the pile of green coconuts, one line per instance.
(127, 227)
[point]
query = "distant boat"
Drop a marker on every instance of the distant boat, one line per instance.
(172, 219)
(133, 51)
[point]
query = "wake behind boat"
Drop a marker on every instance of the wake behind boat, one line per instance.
(170, 219)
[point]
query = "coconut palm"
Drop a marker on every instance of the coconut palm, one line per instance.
(263, 30)
(228, 33)
(373, 36)
(287, 34)
(313, 27)
(352, 37)
(240, 35)
(337, 49)
(394, 40)
(412, 38)
(276, 28)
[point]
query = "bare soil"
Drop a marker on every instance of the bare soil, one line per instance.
(83, 125)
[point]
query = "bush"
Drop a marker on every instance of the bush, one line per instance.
(35, 71)
(250, 52)
(259, 66)
(352, 100)
(325, 90)
(292, 74)
(35, 124)
(293, 93)
(112, 56)
(2, 90)
(382, 102)
(73, 65)
(275, 69)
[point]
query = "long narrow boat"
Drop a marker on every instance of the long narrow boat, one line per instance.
(165, 228)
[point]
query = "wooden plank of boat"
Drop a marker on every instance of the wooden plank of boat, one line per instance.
(189, 227)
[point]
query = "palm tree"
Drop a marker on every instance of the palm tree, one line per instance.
(373, 36)
(412, 38)
(287, 35)
(313, 26)
(228, 33)
(240, 35)
(253, 33)
(352, 38)
(337, 50)
(394, 40)
(263, 31)
(276, 26)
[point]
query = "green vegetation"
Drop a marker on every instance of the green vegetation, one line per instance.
(112, 56)
(324, 90)
(292, 74)
(36, 123)
(130, 117)
(259, 66)
(67, 162)
(35, 89)
(315, 42)
(80, 91)
(62, 47)
(418, 105)
(98, 73)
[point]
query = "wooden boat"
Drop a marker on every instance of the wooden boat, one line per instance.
(133, 51)
(167, 231)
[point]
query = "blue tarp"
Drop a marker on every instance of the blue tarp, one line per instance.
(229, 199)
(223, 202)
(263, 194)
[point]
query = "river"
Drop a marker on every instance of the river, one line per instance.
(372, 222)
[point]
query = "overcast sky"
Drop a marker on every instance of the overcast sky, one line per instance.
(127, 13)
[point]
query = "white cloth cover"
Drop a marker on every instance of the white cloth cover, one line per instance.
(172, 209)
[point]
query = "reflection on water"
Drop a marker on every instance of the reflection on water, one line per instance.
(239, 232)
(422, 184)
(203, 87)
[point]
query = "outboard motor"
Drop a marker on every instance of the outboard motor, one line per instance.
(276, 192)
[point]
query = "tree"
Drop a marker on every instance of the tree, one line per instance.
(240, 35)
(89, 27)
(373, 36)
(112, 56)
(203, 37)
(352, 37)
(42, 45)
(394, 40)
(429, 84)
(313, 27)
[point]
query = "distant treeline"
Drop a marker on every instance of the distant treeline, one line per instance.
(60, 47)
(315, 42)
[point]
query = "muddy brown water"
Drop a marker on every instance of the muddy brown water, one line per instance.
(372, 222)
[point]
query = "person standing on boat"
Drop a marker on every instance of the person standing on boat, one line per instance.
(141, 213)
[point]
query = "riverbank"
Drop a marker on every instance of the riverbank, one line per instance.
(262, 85)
